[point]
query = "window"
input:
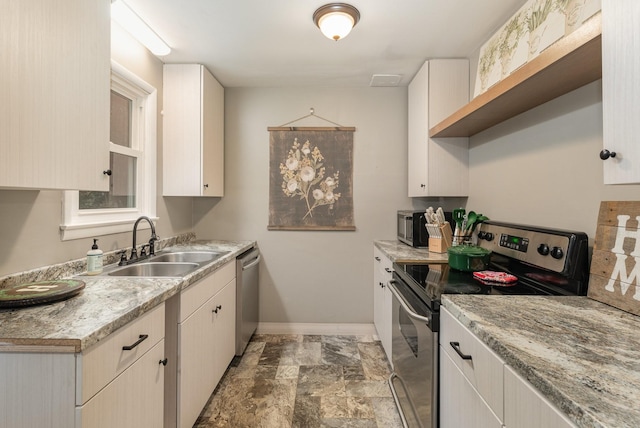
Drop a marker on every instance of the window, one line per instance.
(132, 169)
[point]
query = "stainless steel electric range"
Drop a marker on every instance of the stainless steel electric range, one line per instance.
(544, 262)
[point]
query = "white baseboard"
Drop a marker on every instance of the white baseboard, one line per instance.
(316, 328)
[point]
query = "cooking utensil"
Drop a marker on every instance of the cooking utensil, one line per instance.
(481, 218)
(472, 217)
(468, 258)
(458, 216)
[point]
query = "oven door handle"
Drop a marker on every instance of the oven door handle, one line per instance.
(405, 305)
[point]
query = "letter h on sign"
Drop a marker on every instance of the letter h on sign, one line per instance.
(620, 269)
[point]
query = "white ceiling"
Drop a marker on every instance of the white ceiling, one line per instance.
(275, 42)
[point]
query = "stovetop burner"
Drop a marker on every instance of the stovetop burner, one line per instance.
(462, 288)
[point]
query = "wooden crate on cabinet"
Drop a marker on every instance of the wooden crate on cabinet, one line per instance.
(437, 166)
(193, 132)
(54, 114)
(620, 91)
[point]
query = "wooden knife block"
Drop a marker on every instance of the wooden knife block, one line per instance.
(441, 244)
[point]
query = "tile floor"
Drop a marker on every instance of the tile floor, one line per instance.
(305, 381)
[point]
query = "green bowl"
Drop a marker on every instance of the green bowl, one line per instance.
(468, 258)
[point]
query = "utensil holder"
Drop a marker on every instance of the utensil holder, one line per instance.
(439, 237)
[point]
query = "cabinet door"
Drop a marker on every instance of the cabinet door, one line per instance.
(525, 407)
(382, 310)
(460, 404)
(193, 133)
(225, 329)
(437, 167)
(621, 90)
(133, 400)
(418, 96)
(54, 114)
(206, 347)
(213, 136)
(38, 389)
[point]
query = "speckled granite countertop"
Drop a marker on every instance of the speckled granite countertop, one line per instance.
(583, 355)
(105, 304)
(399, 252)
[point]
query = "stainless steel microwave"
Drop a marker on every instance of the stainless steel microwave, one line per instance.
(411, 228)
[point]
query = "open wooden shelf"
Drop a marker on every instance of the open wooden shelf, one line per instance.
(568, 64)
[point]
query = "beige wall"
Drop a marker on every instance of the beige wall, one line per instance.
(312, 277)
(542, 167)
(30, 220)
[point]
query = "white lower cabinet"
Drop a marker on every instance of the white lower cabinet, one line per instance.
(460, 403)
(525, 407)
(201, 335)
(482, 391)
(133, 399)
(382, 309)
(105, 386)
(471, 378)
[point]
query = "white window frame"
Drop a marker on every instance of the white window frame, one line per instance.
(78, 223)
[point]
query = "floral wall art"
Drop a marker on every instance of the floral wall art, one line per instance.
(311, 179)
(536, 26)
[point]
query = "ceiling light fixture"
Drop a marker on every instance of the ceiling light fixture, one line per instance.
(127, 18)
(336, 20)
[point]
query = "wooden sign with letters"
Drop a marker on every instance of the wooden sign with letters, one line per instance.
(615, 265)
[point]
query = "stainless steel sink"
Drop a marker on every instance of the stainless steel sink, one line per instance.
(151, 269)
(199, 257)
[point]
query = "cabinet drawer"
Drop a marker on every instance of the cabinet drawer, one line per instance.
(195, 295)
(484, 369)
(101, 363)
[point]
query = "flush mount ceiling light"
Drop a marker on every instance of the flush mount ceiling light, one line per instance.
(127, 18)
(336, 20)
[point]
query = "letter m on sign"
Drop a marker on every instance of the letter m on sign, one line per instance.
(615, 265)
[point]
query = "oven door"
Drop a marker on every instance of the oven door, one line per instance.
(414, 351)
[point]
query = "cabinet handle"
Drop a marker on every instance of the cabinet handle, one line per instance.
(107, 172)
(141, 339)
(206, 186)
(456, 347)
(377, 259)
(163, 362)
(606, 154)
(388, 270)
(215, 311)
(381, 284)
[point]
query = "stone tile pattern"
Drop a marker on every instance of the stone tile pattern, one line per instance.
(305, 381)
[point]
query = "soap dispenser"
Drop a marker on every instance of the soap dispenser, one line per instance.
(94, 259)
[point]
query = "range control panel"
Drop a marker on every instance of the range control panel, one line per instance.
(546, 248)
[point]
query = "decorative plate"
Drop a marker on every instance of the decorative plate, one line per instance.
(36, 293)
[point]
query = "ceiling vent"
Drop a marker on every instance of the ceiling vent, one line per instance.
(385, 80)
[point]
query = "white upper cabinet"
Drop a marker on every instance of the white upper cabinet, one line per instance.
(193, 132)
(54, 87)
(437, 166)
(620, 91)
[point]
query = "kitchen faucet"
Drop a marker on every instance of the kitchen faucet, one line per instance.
(143, 254)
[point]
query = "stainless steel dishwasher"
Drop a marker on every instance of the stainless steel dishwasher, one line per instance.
(247, 289)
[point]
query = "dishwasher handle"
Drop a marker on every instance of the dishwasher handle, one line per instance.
(252, 264)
